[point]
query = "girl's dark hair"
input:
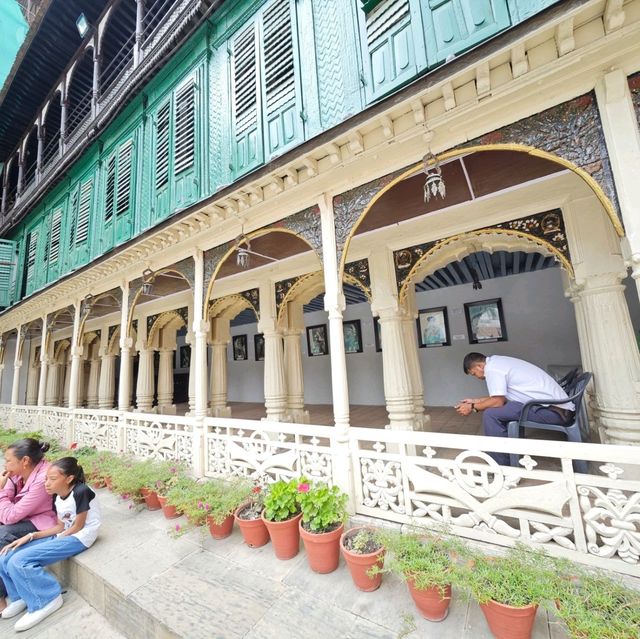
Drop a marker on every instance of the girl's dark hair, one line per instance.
(70, 466)
(29, 447)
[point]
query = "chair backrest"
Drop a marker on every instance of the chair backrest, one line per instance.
(568, 381)
(579, 387)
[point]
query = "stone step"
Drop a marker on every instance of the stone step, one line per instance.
(149, 585)
(75, 620)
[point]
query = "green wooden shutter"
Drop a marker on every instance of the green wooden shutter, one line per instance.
(52, 258)
(123, 200)
(84, 213)
(247, 136)
(110, 190)
(72, 216)
(185, 153)
(389, 47)
(281, 111)
(452, 26)
(162, 124)
(32, 252)
(7, 271)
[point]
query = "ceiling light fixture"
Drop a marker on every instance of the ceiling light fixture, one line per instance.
(83, 25)
(147, 281)
(434, 184)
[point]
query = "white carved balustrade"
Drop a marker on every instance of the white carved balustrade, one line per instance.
(99, 428)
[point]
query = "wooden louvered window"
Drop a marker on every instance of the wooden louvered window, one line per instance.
(245, 104)
(110, 187)
(124, 178)
(185, 131)
(32, 249)
(162, 146)
(54, 237)
(84, 212)
(73, 216)
(279, 78)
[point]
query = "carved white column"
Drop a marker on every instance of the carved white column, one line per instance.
(97, 58)
(76, 361)
(126, 363)
(17, 363)
(51, 398)
(190, 339)
(165, 380)
(137, 47)
(145, 386)
(107, 385)
(293, 365)
(622, 138)
(199, 326)
(32, 384)
(41, 137)
(92, 384)
(44, 361)
(67, 383)
(218, 380)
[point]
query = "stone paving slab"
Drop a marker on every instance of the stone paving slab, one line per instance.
(150, 585)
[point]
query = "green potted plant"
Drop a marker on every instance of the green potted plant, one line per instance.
(362, 549)
(424, 560)
(324, 512)
(154, 474)
(162, 487)
(509, 589)
(185, 496)
(281, 515)
(595, 606)
(248, 516)
(127, 479)
(221, 498)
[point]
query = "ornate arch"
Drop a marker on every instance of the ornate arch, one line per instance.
(230, 306)
(59, 347)
(569, 134)
(162, 321)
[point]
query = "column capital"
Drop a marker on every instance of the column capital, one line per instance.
(126, 343)
(76, 351)
(602, 282)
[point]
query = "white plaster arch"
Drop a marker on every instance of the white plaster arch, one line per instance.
(167, 320)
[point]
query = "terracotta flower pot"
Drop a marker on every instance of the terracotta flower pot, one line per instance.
(254, 532)
(220, 531)
(150, 499)
(433, 602)
(359, 564)
(285, 536)
(323, 549)
(509, 622)
(169, 511)
(108, 483)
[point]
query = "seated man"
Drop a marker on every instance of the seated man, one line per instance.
(512, 382)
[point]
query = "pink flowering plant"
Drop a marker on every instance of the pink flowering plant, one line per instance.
(323, 507)
(281, 500)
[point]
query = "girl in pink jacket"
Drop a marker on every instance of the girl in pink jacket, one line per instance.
(25, 506)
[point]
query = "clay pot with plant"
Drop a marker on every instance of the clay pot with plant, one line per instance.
(324, 512)
(362, 550)
(281, 516)
(248, 516)
(424, 561)
(221, 498)
(510, 589)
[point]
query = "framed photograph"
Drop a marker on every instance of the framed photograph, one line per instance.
(317, 341)
(258, 346)
(185, 356)
(352, 336)
(433, 327)
(485, 321)
(239, 347)
(377, 335)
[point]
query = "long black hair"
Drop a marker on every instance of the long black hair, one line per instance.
(69, 466)
(29, 447)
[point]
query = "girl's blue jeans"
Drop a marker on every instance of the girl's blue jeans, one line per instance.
(23, 573)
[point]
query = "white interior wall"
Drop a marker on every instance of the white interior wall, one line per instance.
(540, 325)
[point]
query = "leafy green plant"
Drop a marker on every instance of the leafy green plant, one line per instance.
(97, 467)
(523, 577)
(281, 500)
(223, 497)
(162, 476)
(429, 560)
(595, 606)
(363, 541)
(128, 478)
(323, 507)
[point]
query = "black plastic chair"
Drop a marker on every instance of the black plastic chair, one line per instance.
(578, 431)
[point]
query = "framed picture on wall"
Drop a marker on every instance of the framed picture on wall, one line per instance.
(433, 327)
(239, 347)
(376, 334)
(317, 342)
(185, 356)
(485, 321)
(352, 332)
(258, 346)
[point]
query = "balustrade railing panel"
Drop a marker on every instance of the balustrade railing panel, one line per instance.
(438, 479)
(99, 428)
(267, 451)
(159, 437)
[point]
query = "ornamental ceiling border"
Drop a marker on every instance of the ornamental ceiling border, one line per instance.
(182, 312)
(305, 224)
(571, 131)
(357, 273)
(547, 227)
(634, 88)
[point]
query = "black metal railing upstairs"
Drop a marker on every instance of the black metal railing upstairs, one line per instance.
(51, 150)
(80, 110)
(122, 60)
(154, 17)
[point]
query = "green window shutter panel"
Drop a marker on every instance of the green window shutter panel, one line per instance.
(84, 213)
(32, 252)
(162, 135)
(7, 271)
(281, 108)
(72, 219)
(123, 200)
(53, 257)
(389, 47)
(452, 26)
(185, 151)
(247, 137)
(110, 190)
